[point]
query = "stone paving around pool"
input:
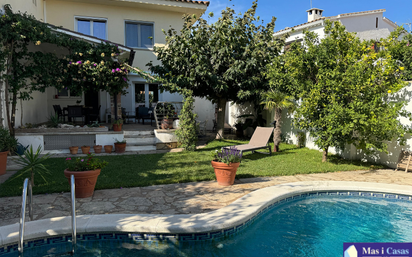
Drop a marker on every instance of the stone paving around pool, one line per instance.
(185, 198)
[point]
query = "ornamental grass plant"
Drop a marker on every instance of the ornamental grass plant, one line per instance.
(84, 164)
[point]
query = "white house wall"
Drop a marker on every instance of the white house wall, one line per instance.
(298, 35)
(205, 110)
(129, 99)
(34, 110)
(363, 22)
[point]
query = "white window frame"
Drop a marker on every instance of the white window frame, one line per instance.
(138, 31)
(69, 96)
(91, 19)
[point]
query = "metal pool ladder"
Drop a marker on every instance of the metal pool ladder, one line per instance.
(27, 187)
(73, 198)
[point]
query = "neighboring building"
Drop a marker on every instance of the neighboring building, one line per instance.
(369, 25)
(135, 25)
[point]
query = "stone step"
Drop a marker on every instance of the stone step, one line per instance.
(138, 133)
(140, 148)
(140, 140)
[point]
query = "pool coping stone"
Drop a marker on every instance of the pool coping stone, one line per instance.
(235, 214)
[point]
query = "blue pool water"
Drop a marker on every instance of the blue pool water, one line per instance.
(310, 226)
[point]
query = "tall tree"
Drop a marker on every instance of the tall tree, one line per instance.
(222, 61)
(346, 90)
(278, 102)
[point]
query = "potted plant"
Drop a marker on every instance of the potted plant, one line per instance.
(169, 112)
(117, 124)
(85, 171)
(74, 149)
(97, 148)
(7, 143)
(85, 149)
(120, 146)
(108, 148)
(225, 162)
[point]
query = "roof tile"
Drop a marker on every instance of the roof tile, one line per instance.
(192, 1)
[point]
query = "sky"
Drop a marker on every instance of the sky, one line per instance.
(290, 13)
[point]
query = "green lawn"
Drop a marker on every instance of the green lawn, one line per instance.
(167, 168)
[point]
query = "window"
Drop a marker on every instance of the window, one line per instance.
(65, 93)
(92, 27)
(139, 35)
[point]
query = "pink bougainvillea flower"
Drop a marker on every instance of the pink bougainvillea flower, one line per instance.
(94, 64)
(113, 70)
(79, 62)
(68, 159)
(82, 160)
(117, 69)
(124, 79)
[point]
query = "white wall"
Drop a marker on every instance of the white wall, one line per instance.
(169, 97)
(128, 100)
(297, 35)
(205, 110)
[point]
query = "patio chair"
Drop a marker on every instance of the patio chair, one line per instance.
(142, 113)
(259, 140)
(60, 113)
(75, 111)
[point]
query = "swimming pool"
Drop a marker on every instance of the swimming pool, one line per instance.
(295, 222)
(305, 225)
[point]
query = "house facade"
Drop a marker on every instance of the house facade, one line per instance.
(136, 25)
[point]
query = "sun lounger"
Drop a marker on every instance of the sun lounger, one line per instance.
(259, 140)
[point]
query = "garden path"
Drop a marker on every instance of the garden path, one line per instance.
(184, 198)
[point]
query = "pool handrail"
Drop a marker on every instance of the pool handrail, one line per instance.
(73, 199)
(26, 187)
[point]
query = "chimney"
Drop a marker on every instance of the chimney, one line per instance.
(314, 13)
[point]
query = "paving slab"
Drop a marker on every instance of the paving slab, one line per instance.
(183, 198)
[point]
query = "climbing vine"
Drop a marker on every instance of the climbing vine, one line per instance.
(35, 56)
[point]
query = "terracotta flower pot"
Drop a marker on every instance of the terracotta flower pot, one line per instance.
(97, 148)
(3, 162)
(85, 181)
(167, 123)
(225, 174)
(117, 127)
(85, 149)
(120, 147)
(108, 148)
(74, 149)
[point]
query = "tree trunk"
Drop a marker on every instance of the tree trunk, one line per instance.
(220, 119)
(278, 130)
(13, 113)
(325, 154)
